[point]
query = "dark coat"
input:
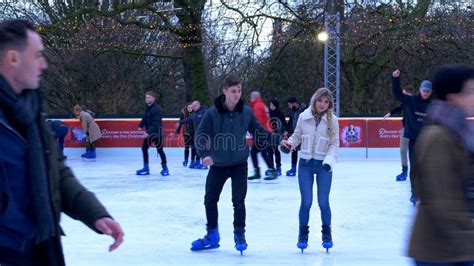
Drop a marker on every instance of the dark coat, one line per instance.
(443, 230)
(66, 193)
(414, 110)
(222, 133)
(294, 114)
(194, 120)
(277, 121)
(152, 119)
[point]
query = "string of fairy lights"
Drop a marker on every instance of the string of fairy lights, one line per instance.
(358, 30)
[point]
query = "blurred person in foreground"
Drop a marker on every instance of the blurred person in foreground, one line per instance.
(35, 184)
(443, 232)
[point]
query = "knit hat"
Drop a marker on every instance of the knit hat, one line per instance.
(425, 85)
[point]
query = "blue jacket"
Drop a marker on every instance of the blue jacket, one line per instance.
(194, 119)
(16, 215)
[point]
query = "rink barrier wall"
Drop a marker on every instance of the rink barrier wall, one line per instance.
(122, 133)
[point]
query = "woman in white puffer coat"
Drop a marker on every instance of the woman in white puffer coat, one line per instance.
(317, 130)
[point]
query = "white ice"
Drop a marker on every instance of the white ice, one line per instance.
(161, 216)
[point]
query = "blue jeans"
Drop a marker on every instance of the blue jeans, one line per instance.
(306, 171)
(419, 263)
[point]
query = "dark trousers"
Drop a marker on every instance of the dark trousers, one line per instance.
(294, 158)
(215, 181)
(189, 145)
(263, 149)
(60, 134)
(48, 252)
(413, 175)
(158, 141)
(274, 150)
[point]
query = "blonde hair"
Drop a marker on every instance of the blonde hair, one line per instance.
(324, 92)
(77, 108)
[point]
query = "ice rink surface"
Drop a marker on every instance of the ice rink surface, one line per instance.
(161, 216)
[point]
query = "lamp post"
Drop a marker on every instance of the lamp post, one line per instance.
(332, 58)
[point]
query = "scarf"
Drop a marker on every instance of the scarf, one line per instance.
(452, 117)
(24, 110)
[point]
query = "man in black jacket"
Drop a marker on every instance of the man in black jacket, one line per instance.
(35, 184)
(296, 109)
(221, 142)
(152, 122)
(414, 115)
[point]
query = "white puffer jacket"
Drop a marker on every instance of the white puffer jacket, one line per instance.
(315, 143)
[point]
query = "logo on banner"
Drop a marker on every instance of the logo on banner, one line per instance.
(351, 134)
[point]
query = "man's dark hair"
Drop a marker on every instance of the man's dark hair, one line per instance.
(292, 100)
(231, 80)
(151, 93)
(450, 79)
(14, 34)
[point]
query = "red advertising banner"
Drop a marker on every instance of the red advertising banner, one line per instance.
(384, 133)
(121, 133)
(352, 132)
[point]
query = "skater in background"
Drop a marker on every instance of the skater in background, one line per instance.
(188, 135)
(407, 90)
(152, 123)
(317, 131)
(296, 109)
(278, 124)
(443, 231)
(91, 131)
(195, 120)
(35, 184)
(221, 142)
(59, 130)
(260, 110)
(415, 112)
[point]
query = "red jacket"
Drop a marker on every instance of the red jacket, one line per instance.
(261, 113)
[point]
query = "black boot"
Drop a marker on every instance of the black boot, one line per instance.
(256, 175)
(303, 237)
(327, 237)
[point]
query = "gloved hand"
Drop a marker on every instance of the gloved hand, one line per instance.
(284, 149)
(326, 167)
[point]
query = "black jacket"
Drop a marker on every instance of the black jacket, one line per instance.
(152, 119)
(414, 110)
(294, 114)
(277, 121)
(222, 133)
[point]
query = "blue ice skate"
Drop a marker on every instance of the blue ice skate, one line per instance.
(327, 237)
(413, 199)
(192, 164)
(239, 238)
(278, 171)
(403, 175)
(292, 171)
(303, 237)
(144, 171)
(185, 163)
(209, 241)
(165, 171)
